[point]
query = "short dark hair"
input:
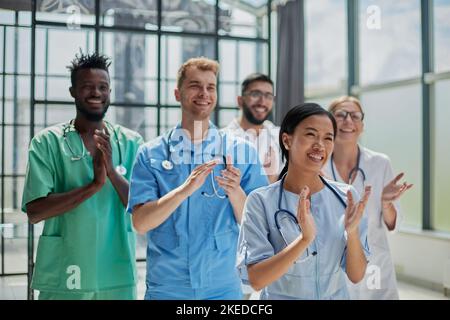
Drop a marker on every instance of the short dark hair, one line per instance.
(88, 61)
(252, 78)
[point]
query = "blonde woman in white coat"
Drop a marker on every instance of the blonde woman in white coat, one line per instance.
(359, 166)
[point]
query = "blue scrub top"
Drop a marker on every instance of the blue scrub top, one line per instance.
(196, 246)
(319, 276)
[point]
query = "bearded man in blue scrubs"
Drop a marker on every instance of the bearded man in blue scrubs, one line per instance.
(187, 193)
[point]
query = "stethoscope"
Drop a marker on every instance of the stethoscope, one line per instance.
(167, 164)
(293, 217)
(76, 157)
(356, 169)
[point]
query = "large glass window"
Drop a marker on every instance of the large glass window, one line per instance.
(323, 101)
(133, 70)
(245, 18)
(393, 125)
(195, 16)
(442, 35)
(52, 80)
(238, 60)
(326, 47)
(175, 50)
(130, 13)
(17, 53)
(441, 157)
(15, 80)
(72, 13)
(143, 72)
(390, 40)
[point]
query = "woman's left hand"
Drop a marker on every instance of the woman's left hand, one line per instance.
(230, 180)
(354, 211)
(393, 191)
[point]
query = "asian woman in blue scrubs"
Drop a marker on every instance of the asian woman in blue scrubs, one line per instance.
(302, 235)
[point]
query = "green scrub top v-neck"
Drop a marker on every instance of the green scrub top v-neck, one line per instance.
(90, 248)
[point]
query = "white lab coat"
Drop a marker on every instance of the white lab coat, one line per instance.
(265, 142)
(379, 282)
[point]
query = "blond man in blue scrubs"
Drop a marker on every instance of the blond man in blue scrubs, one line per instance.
(187, 194)
(76, 182)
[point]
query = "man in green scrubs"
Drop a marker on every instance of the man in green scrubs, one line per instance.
(77, 183)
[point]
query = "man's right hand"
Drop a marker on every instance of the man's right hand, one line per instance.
(55, 204)
(99, 170)
(197, 178)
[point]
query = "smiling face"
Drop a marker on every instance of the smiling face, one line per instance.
(311, 143)
(91, 93)
(197, 93)
(349, 129)
(257, 102)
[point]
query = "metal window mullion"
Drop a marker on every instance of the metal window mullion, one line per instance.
(30, 293)
(3, 151)
(269, 38)
(427, 67)
(158, 83)
(352, 45)
(237, 68)
(216, 49)
(15, 107)
(46, 77)
(97, 26)
(17, 175)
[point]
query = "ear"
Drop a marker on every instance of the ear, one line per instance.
(72, 91)
(177, 94)
(240, 101)
(286, 140)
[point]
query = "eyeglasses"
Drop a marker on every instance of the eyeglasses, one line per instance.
(256, 94)
(342, 115)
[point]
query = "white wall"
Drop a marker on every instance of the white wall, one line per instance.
(421, 257)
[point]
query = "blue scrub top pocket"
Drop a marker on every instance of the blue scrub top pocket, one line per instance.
(225, 241)
(164, 240)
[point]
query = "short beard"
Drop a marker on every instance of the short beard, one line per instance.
(94, 117)
(250, 118)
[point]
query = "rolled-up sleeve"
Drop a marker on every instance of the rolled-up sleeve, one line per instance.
(40, 176)
(254, 244)
(143, 184)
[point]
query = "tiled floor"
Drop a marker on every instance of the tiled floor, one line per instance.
(14, 288)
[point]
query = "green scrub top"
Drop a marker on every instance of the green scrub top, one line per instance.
(91, 247)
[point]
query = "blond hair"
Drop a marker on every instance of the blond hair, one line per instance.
(201, 63)
(336, 102)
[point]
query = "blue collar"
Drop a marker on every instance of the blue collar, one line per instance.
(187, 144)
(280, 195)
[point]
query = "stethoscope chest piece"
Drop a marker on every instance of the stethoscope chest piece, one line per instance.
(167, 165)
(121, 170)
